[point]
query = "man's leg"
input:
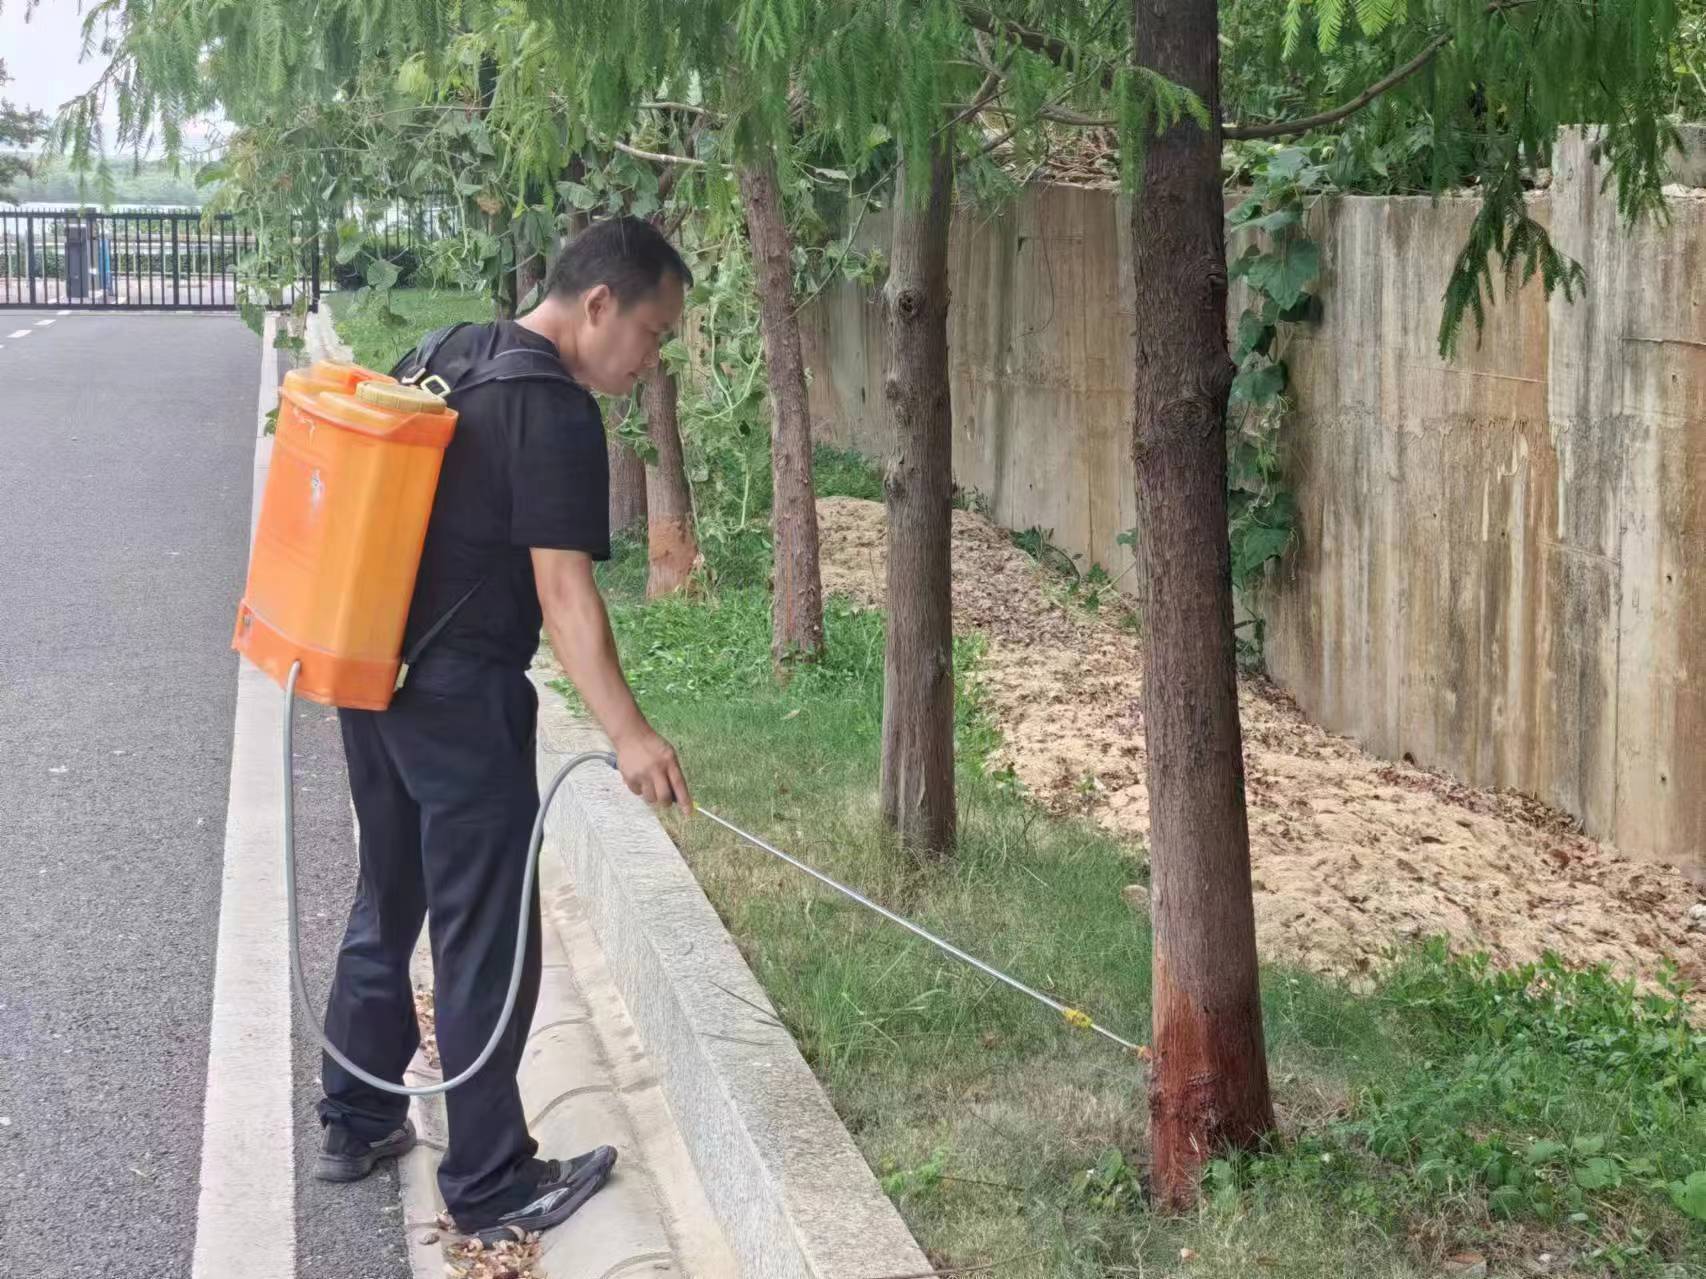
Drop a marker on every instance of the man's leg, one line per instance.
(467, 752)
(371, 1013)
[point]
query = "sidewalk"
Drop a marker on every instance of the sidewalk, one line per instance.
(585, 1081)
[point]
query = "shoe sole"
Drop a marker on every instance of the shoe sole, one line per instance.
(355, 1167)
(577, 1192)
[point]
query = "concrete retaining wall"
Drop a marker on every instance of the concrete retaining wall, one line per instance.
(794, 1197)
(1502, 563)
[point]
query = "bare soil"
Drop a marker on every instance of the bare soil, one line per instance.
(1351, 855)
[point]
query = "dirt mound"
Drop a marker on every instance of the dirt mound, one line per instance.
(1350, 853)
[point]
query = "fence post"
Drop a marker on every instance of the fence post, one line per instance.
(177, 271)
(30, 254)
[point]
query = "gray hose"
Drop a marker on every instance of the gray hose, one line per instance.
(523, 920)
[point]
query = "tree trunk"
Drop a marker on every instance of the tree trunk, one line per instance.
(628, 509)
(627, 476)
(1209, 1079)
(527, 278)
(796, 618)
(918, 666)
(672, 547)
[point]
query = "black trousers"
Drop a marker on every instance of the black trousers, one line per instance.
(446, 793)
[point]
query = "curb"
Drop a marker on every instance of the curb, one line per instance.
(320, 338)
(795, 1197)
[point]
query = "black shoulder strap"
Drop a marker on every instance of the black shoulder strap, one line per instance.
(413, 366)
(518, 364)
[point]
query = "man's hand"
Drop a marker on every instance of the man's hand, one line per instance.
(649, 766)
(580, 635)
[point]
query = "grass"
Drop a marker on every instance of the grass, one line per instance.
(379, 345)
(1545, 1113)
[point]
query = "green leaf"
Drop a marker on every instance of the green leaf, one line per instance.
(1285, 272)
(1246, 211)
(1288, 163)
(1589, 1145)
(1597, 1174)
(1252, 549)
(1253, 335)
(1543, 1152)
(1690, 1195)
(1505, 1201)
(214, 172)
(1259, 381)
(578, 194)
(1279, 220)
(382, 274)
(1245, 263)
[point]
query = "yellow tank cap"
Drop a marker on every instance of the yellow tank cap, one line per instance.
(404, 399)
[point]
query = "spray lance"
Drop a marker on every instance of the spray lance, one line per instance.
(331, 577)
(1074, 1017)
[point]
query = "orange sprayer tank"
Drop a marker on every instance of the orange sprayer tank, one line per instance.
(343, 518)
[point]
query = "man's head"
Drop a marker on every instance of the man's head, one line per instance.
(612, 296)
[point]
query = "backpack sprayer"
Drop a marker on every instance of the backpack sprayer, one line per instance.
(343, 519)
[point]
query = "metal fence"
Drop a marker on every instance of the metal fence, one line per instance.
(178, 259)
(155, 260)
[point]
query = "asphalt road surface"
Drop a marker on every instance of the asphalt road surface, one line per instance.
(126, 454)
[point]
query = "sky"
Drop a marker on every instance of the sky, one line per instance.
(41, 56)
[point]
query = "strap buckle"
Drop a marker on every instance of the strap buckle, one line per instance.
(437, 385)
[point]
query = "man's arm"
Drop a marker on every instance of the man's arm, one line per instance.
(579, 630)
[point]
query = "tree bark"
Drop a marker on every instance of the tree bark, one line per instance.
(627, 477)
(918, 665)
(796, 618)
(672, 547)
(628, 505)
(527, 277)
(1209, 1080)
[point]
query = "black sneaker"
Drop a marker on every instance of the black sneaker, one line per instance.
(566, 1185)
(346, 1157)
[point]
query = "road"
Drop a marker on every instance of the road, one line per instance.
(126, 455)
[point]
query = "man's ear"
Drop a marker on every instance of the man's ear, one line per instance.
(599, 301)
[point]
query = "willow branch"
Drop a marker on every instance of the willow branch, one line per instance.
(1284, 128)
(658, 157)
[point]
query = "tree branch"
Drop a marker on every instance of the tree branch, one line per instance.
(1284, 128)
(1061, 53)
(658, 157)
(672, 173)
(1053, 48)
(685, 107)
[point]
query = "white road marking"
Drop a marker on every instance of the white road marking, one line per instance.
(21, 333)
(42, 324)
(62, 313)
(246, 1217)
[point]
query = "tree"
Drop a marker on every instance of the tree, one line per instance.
(918, 794)
(1209, 1081)
(1520, 71)
(672, 548)
(796, 625)
(19, 131)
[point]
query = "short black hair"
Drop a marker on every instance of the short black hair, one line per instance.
(629, 255)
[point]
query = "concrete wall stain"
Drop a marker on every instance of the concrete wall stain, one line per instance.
(1502, 564)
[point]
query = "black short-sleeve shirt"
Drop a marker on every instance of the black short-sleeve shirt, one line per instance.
(526, 467)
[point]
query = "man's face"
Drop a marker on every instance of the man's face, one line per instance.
(619, 344)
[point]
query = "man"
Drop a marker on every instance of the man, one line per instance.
(444, 781)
